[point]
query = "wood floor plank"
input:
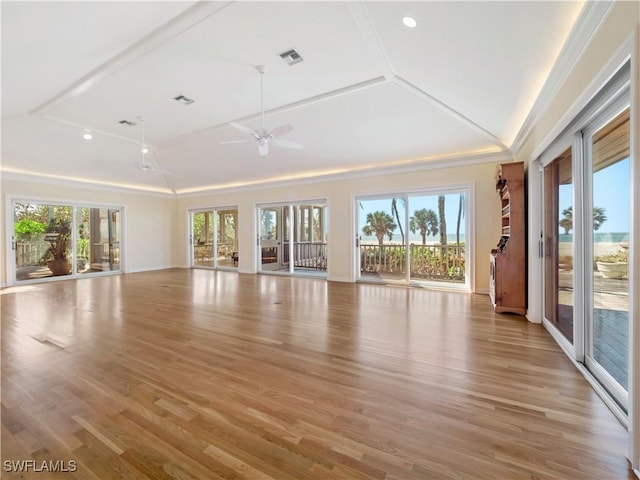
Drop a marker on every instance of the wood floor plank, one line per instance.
(192, 374)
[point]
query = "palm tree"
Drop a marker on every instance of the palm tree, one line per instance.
(379, 224)
(460, 215)
(394, 209)
(443, 222)
(599, 217)
(426, 221)
(567, 220)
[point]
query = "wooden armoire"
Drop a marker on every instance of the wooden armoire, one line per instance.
(508, 286)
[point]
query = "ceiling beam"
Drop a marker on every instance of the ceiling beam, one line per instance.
(166, 32)
(424, 96)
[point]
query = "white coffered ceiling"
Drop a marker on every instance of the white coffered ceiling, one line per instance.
(370, 92)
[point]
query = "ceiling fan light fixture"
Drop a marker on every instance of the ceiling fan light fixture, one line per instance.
(263, 147)
(87, 135)
(409, 22)
(261, 135)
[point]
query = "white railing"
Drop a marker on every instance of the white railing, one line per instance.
(429, 262)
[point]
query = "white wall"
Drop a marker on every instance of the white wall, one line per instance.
(339, 195)
(149, 220)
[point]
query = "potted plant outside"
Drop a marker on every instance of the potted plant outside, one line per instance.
(58, 235)
(615, 265)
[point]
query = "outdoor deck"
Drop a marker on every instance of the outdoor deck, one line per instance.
(610, 321)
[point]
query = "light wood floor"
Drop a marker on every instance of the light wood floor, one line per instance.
(201, 375)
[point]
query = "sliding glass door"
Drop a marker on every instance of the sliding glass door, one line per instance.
(586, 225)
(56, 240)
(97, 240)
(416, 238)
(381, 234)
(437, 238)
(310, 239)
(607, 334)
(226, 238)
(272, 230)
(292, 238)
(214, 241)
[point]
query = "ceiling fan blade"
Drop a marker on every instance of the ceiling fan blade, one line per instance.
(286, 144)
(242, 128)
(234, 141)
(151, 169)
(281, 130)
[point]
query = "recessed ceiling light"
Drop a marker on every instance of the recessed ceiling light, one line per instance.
(87, 135)
(409, 22)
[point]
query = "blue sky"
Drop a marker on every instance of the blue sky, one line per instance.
(611, 192)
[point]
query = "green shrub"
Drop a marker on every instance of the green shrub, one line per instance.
(82, 248)
(27, 229)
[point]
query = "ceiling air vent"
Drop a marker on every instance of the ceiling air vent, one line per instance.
(183, 100)
(127, 123)
(291, 57)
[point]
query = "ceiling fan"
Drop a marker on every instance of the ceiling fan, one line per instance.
(265, 137)
(144, 164)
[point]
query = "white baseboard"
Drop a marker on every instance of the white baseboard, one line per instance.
(140, 270)
(482, 291)
(533, 320)
(340, 279)
(246, 270)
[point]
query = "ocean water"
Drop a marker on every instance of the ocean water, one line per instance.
(600, 237)
(413, 238)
